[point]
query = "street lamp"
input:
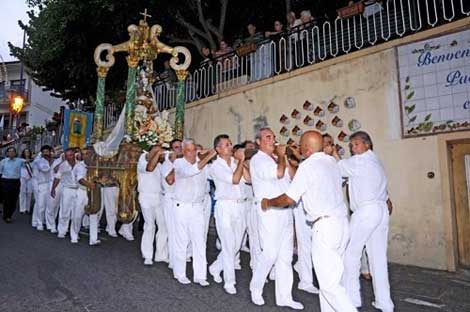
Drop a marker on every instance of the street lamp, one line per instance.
(17, 104)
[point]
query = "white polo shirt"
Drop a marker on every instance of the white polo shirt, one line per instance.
(222, 175)
(318, 182)
(41, 170)
(190, 182)
(367, 180)
(263, 170)
(165, 169)
(148, 181)
(69, 176)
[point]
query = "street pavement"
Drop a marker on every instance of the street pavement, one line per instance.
(40, 272)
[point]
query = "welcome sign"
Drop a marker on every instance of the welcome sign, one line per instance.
(435, 85)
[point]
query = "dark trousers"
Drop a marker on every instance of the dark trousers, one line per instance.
(10, 192)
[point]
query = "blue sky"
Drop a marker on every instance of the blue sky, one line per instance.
(10, 12)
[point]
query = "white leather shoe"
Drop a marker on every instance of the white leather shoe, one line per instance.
(257, 298)
(148, 261)
(292, 304)
(183, 280)
(96, 242)
(308, 288)
(231, 290)
(202, 282)
(215, 275)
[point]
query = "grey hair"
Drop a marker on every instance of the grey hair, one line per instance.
(258, 132)
(306, 13)
(187, 142)
(364, 137)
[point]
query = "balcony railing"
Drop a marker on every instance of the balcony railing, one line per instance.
(111, 114)
(314, 43)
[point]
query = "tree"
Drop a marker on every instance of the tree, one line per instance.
(63, 34)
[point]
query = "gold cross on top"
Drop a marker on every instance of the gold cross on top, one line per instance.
(145, 15)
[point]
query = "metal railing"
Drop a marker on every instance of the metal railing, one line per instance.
(111, 114)
(314, 43)
(29, 140)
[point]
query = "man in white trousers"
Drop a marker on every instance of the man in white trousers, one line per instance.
(369, 221)
(149, 187)
(72, 175)
(270, 178)
(41, 175)
(190, 176)
(304, 265)
(52, 208)
(251, 216)
(167, 197)
(318, 183)
(227, 173)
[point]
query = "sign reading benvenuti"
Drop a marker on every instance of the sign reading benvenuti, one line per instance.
(435, 85)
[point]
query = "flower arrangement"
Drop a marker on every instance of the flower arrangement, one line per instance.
(152, 131)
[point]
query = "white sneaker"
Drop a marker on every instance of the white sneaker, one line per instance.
(128, 237)
(148, 261)
(202, 282)
(292, 304)
(53, 231)
(215, 275)
(257, 298)
(40, 228)
(74, 241)
(61, 235)
(112, 234)
(378, 307)
(231, 290)
(96, 242)
(183, 280)
(308, 288)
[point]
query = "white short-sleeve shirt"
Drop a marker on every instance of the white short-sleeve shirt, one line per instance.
(318, 183)
(190, 182)
(222, 175)
(69, 176)
(148, 181)
(263, 170)
(367, 180)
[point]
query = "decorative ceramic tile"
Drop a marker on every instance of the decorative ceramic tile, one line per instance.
(435, 79)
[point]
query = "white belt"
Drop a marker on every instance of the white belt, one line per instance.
(71, 187)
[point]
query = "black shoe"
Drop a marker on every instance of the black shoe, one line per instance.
(8, 220)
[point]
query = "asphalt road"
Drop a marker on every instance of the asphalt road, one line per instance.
(39, 272)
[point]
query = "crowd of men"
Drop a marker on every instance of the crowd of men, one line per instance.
(274, 196)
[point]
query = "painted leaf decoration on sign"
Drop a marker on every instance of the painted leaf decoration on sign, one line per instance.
(407, 79)
(428, 117)
(407, 87)
(413, 119)
(409, 96)
(411, 108)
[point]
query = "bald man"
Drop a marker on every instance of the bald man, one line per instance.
(318, 183)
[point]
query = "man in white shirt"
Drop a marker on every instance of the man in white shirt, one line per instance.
(369, 221)
(167, 192)
(52, 208)
(190, 177)
(318, 183)
(227, 174)
(149, 187)
(72, 175)
(269, 176)
(42, 176)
